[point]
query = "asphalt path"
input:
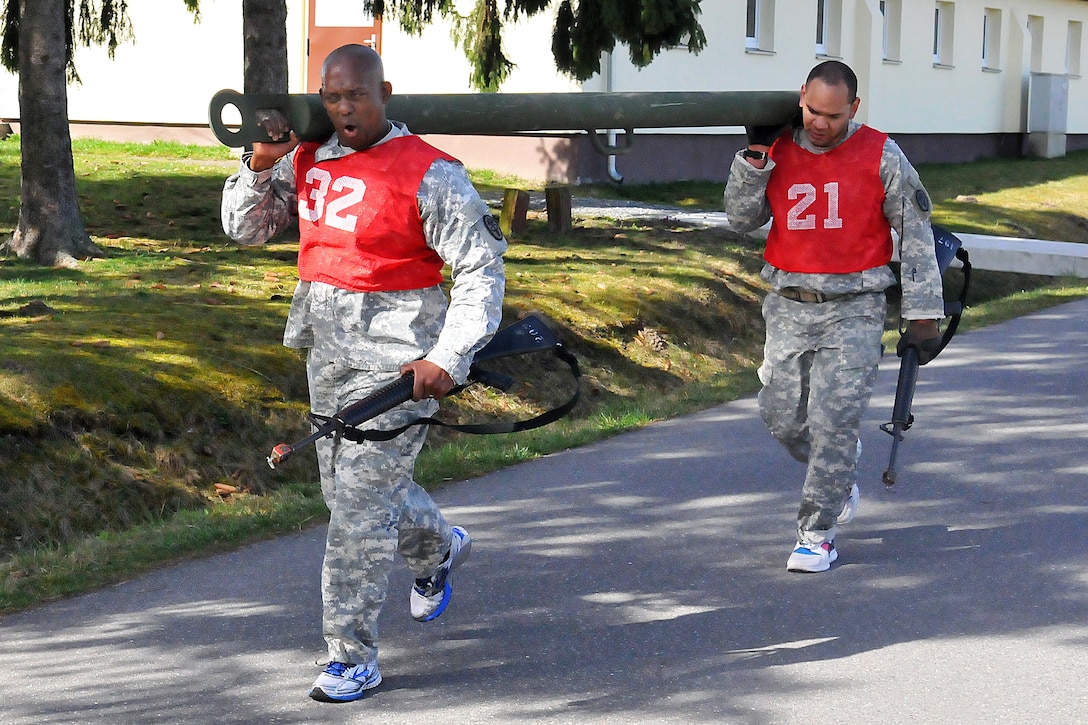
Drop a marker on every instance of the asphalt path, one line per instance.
(643, 579)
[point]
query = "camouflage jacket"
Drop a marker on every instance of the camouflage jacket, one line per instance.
(382, 330)
(906, 207)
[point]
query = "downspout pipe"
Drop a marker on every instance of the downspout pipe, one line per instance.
(613, 172)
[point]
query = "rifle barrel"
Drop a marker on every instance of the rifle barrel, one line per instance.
(901, 416)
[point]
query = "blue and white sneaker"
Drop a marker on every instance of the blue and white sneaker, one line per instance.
(812, 558)
(341, 682)
(431, 595)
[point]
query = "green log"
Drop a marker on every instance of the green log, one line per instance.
(500, 114)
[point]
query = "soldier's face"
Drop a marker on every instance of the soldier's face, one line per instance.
(827, 111)
(354, 97)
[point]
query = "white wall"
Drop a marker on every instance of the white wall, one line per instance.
(169, 72)
(432, 63)
(915, 96)
(167, 76)
(908, 96)
(723, 64)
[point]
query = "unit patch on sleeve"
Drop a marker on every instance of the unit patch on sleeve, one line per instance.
(922, 199)
(492, 225)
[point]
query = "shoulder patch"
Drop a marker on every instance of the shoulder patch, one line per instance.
(921, 198)
(492, 225)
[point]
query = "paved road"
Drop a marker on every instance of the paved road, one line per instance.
(643, 579)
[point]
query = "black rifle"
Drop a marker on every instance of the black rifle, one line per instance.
(946, 246)
(525, 336)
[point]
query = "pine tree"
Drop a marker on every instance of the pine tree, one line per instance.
(584, 29)
(38, 43)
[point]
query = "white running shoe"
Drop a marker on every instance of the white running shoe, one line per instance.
(812, 558)
(850, 508)
(431, 595)
(341, 682)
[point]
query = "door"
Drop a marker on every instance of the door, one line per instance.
(333, 23)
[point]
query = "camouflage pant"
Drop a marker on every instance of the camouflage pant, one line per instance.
(820, 362)
(376, 510)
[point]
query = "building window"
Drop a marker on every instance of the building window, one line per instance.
(751, 39)
(892, 13)
(1072, 48)
(991, 39)
(944, 22)
(1035, 31)
(829, 27)
(821, 27)
(759, 33)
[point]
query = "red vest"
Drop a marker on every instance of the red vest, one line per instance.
(359, 223)
(828, 208)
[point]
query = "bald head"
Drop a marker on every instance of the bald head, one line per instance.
(361, 58)
(354, 92)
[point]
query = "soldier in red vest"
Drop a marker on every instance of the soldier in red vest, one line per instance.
(834, 190)
(380, 213)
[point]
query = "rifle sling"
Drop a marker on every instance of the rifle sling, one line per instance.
(358, 436)
(961, 303)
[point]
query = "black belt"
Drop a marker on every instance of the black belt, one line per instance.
(803, 295)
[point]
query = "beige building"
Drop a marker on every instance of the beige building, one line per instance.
(950, 80)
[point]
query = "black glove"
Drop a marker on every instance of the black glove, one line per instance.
(924, 342)
(765, 135)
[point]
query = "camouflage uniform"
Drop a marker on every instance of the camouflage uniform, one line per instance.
(820, 359)
(356, 342)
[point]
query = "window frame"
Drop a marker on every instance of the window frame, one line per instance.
(829, 28)
(759, 26)
(991, 39)
(944, 31)
(751, 30)
(892, 24)
(1074, 39)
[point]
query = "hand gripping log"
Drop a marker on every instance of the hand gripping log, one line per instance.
(528, 335)
(946, 246)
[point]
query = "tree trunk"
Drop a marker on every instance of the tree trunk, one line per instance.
(50, 229)
(264, 43)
